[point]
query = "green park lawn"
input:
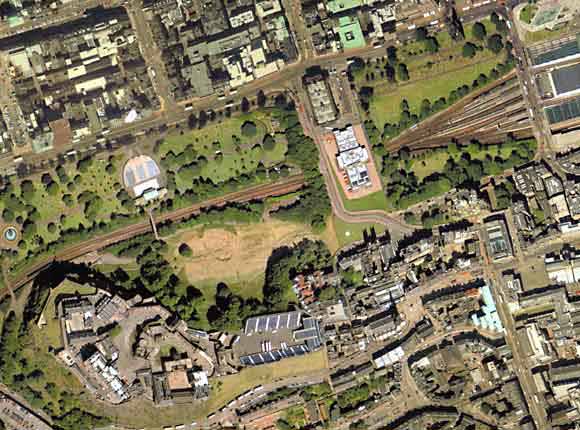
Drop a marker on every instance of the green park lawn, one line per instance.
(347, 233)
(249, 287)
(431, 75)
(51, 209)
(433, 162)
(386, 101)
(528, 13)
(241, 154)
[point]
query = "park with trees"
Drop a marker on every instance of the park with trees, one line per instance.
(422, 77)
(414, 179)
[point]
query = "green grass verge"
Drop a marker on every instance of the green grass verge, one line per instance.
(544, 35)
(347, 233)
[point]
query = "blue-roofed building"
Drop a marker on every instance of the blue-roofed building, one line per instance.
(269, 338)
(487, 317)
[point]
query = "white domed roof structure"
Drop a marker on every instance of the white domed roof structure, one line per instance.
(141, 175)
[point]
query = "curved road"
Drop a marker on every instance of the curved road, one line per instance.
(397, 228)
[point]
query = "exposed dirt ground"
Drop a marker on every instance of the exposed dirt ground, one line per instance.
(238, 251)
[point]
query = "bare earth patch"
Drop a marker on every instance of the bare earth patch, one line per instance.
(239, 251)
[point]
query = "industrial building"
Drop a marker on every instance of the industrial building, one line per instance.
(270, 338)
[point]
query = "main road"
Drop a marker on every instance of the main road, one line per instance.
(532, 98)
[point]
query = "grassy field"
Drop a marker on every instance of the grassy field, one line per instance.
(372, 201)
(430, 164)
(224, 389)
(241, 154)
(347, 233)
(528, 13)
(50, 210)
(431, 75)
(434, 162)
(385, 105)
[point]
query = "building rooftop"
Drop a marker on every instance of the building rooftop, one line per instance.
(350, 32)
(499, 243)
(140, 174)
(566, 79)
(321, 100)
(488, 318)
(337, 6)
(270, 338)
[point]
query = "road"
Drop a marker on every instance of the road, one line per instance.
(522, 368)
(532, 98)
(397, 228)
(172, 112)
(152, 56)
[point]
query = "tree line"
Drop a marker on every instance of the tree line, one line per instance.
(462, 169)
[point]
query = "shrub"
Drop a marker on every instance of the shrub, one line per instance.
(185, 250)
(249, 129)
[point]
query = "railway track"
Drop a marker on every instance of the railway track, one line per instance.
(258, 192)
(487, 115)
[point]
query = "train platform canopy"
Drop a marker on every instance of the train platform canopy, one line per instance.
(566, 79)
(564, 111)
(559, 52)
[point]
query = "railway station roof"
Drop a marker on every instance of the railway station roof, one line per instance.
(566, 79)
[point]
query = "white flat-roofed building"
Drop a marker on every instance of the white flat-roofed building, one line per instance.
(352, 157)
(345, 139)
(242, 19)
(391, 357)
(151, 184)
(357, 175)
(90, 85)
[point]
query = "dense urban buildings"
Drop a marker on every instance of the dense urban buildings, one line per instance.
(266, 214)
